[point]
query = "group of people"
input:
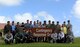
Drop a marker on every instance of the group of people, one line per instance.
(19, 33)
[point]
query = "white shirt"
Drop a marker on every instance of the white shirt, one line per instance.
(61, 35)
(54, 35)
(8, 36)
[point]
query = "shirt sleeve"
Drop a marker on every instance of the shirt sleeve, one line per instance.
(6, 37)
(11, 37)
(62, 36)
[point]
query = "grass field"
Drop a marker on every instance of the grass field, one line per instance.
(40, 44)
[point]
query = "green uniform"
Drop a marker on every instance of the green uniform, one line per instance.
(58, 28)
(49, 26)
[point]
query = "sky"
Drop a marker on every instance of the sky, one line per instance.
(54, 10)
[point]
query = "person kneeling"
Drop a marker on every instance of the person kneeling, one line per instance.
(70, 37)
(25, 33)
(60, 38)
(54, 37)
(8, 38)
(19, 38)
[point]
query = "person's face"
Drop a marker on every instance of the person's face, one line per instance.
(37, 21)
(64, 22)
(40, 23)
(57, 23)
(27, 21)
(44, 22)
(30, 22)
(8, 23)
(22, 23)
(34, 23)
(52, 22)
(68, 22)
(12, 23)
(49, 22)
(17, 23)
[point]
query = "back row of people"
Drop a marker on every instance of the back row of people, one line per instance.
(37, 24)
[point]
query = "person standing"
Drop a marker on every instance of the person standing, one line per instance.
(69, 26)
(49, 24)
(35, 25)
(69, 32)
(40, 25)
(17, 27)
(58, 27)
(44, 25)
(53, 26)
(27, 25)
(13, 29)
(31, 26)
(7, 27)
(64, 24)
(64, 29)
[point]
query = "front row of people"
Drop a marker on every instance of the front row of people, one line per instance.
(19, 37)
(27, 37)
(59, 37)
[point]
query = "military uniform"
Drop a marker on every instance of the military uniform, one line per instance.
(58, 28)
(19, 37)
(7, 28)
(25, 36)
(70, 36)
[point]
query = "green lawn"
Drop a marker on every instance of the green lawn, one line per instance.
(40, 44)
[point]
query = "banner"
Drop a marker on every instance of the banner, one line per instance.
(41, 32)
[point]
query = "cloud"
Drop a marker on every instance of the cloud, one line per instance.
(76, 9)
(10, 2)
(66, 17)
(23, 17)
(28, 16)
(4, 19)
(45, 16)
